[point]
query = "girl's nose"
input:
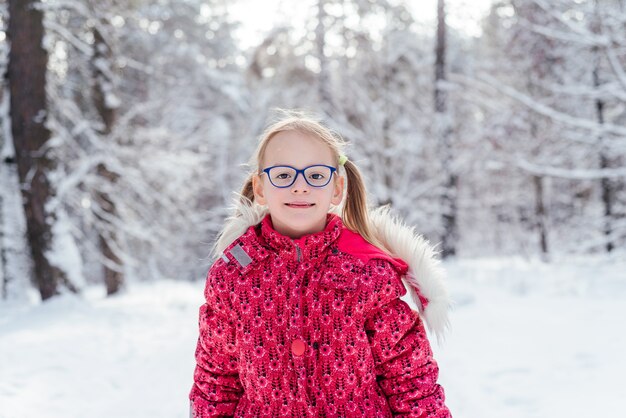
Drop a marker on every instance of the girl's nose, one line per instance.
(300, 185)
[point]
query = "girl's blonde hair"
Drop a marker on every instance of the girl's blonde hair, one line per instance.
(354, 214)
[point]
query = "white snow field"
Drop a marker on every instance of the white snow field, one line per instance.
(528, 339)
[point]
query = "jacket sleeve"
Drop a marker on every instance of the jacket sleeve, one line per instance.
(405, 368)
(216, 388)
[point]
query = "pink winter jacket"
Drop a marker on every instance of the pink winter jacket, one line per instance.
(312, 327)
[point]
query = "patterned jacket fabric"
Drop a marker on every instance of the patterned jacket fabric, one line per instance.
(312, 327)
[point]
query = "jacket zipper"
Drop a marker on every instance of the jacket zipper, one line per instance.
(298, 253)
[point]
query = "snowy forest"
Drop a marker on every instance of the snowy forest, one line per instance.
(125, 127)
(496, 128)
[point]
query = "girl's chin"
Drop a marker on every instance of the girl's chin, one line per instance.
(297, 229)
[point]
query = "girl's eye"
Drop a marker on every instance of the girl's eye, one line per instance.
(317, 176)
(283, 176)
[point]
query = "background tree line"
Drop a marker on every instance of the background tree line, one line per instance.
(125, 125)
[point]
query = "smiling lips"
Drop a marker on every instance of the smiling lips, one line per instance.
(300, 205)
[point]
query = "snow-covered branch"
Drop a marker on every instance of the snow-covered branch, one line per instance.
(67, 35)
(569, 173)
(489, 83)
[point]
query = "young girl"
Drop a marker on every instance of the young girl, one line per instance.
(303, 316)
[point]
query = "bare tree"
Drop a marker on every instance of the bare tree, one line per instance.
(444, 138)
(606, 184)
(27, 78)
(101, 64)
(325, 96)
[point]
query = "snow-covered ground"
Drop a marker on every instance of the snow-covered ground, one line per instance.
(527, 340)
(535, 340)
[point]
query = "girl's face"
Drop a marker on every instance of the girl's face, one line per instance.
(299, 209)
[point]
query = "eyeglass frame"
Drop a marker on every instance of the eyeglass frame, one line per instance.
(332, 171)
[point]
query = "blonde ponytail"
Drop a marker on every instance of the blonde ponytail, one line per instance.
(355, 214)
(246, 196)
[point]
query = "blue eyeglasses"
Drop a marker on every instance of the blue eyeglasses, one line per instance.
(282, 176)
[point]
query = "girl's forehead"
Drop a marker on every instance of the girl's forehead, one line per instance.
(297, 148)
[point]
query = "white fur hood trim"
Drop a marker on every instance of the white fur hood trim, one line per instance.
(425, 276)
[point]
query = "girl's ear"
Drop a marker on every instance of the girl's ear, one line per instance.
(337, 191)
(257, 188)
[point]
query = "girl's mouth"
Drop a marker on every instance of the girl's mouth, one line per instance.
(300, 205)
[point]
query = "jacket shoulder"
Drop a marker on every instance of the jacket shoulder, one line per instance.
(243, 253)
(353, 243)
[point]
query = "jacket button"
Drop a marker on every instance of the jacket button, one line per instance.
(298, 347)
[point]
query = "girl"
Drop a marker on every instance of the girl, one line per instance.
(303, 316)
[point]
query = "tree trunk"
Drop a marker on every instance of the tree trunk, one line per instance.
(606, 184)
(107, 237)
(444, 138)
(113, 277)
(541, 212)
(27, 78)
(540, 216)
(388, 163)
(324, 93)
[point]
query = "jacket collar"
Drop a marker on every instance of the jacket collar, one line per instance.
(309, 246)
(425, 279)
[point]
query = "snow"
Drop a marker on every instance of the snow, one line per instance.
(536, 340)
(127, 356)
(65, 254)
(528, 339)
